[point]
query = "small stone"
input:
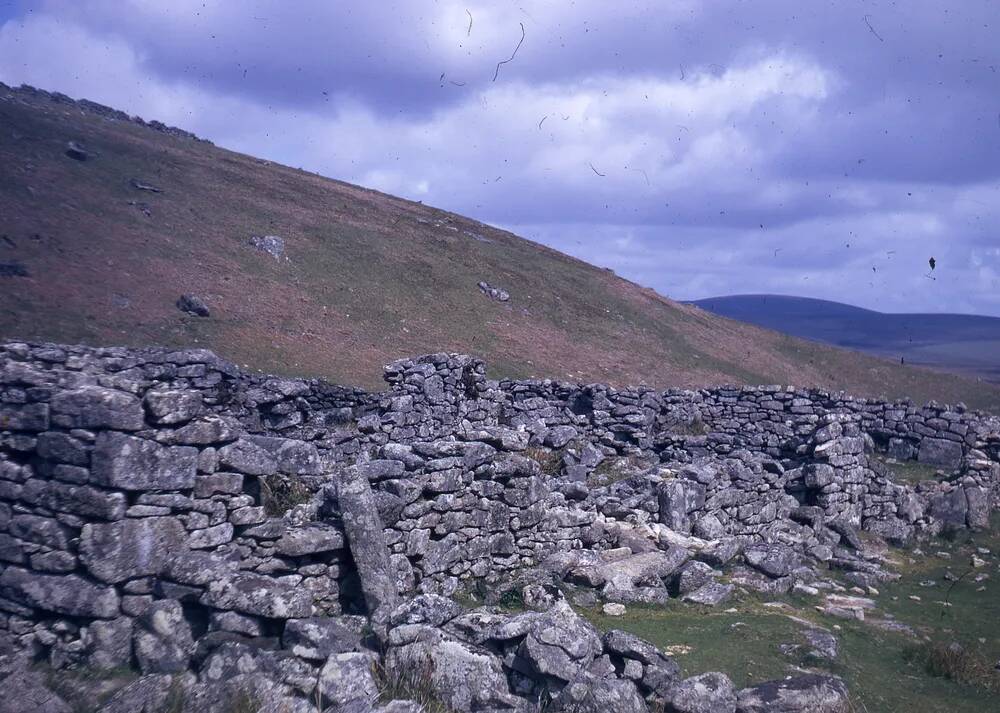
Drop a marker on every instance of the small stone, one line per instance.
(192, 304)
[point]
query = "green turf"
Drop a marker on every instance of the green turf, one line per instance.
(742, 637)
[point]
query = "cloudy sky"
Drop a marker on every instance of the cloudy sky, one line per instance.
(826, 149)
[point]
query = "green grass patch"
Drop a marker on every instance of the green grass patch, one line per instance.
(947, 667)
(409, 685)
(910, 471)
(279, 494)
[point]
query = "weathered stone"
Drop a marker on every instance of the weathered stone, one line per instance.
(678, 498)
(366, 537)
(811, 693)
(29, 417)
(129, 463)
(647, 568)
(346, 682)
(693, 575)
(211, 484)
(978, 514)
(197, 568)
(591, 694)
(310, 539)
(172, 407)
(950, 508)
(41, 530)
(940, 452)
(259, 596)
(78, 500)
(245, 456)
(149, 694)
(560, 644)
(207, 430)
(192, 304)
(11, 550)
(63, 448)
(97, 407)
(824, 643)
(774, 560)
(431, 609)
(462, 678)
(210, 537)
(711, 594)
(109, 643)
(59, 593)
(319, 638)
(558, 436)
(622, 643)
(162, 638)
(130, 548)
(27, 690)
(707, 693)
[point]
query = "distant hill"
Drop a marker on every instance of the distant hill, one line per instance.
(98, 251)
(963, 343)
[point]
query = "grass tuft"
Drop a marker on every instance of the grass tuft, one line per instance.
(549, 460)
(410, 685)
(244, 702)
(956, 663)
(176, 699)
(279, 494)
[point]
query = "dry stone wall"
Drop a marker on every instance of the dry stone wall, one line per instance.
(137, 484)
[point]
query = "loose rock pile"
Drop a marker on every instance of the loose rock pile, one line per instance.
(226, 534)
(109, 114)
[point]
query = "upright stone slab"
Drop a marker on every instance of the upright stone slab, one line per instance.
(130, 463)
(366, 539)
(940, 452)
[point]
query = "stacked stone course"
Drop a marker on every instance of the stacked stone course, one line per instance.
(143, 486)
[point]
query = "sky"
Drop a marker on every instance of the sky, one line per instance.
(822, 149)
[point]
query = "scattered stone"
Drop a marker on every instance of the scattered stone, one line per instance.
(13, 268)
(707, 693)
(192, 304)
(613, 609)
(270, 244)
(811, 693)
(78, 152)
(494, 293)
(711, 594)
(143, 186)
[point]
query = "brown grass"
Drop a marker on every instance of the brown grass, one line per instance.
(369, 277)
(957, 663)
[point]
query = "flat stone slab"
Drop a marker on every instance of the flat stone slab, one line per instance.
(260, 596)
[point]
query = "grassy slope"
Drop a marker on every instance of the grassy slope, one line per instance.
(369, 277)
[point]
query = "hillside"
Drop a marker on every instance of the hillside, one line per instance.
(86, 256)
(957, 342)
